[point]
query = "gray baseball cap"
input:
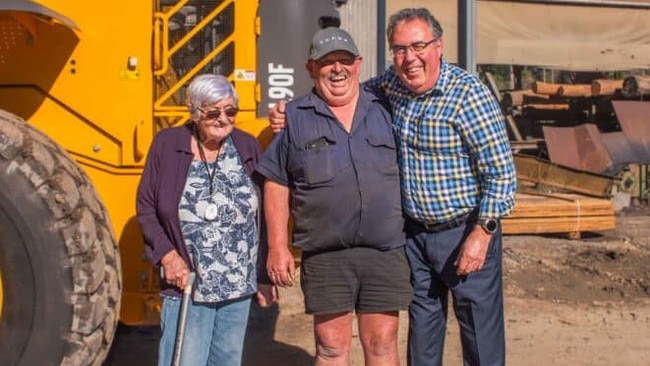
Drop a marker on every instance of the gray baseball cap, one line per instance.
(329, 40)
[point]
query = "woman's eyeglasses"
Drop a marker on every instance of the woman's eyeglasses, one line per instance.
(216, 113)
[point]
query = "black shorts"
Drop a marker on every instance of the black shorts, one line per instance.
(362, 279)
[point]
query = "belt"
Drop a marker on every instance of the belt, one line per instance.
(435, 227)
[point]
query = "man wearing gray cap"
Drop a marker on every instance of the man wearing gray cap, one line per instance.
(334, 170)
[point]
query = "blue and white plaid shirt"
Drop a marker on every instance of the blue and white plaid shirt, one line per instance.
(454, 153)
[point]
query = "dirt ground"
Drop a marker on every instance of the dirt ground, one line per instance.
(568, 302)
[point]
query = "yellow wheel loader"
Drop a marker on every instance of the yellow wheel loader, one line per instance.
(84, 86)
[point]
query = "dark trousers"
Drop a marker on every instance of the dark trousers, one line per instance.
(477, 299)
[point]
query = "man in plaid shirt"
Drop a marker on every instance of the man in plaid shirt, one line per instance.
(458, 180)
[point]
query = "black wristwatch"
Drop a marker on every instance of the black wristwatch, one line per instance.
(489, 225)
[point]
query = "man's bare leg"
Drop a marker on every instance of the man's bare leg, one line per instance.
(333, 334)
(378, 333)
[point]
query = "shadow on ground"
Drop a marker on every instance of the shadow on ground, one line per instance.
(134, 346)
(138, 346)
(261, 348)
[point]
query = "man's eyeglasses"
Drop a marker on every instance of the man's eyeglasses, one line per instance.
(415, 47)
(216, 113)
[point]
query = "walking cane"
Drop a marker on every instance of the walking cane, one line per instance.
(180, 326)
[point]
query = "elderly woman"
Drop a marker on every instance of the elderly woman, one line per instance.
(199, 209)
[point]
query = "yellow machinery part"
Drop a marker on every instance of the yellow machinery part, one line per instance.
(94, 83)
(99, 88)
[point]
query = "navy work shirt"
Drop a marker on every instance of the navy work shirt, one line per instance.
(344, 186)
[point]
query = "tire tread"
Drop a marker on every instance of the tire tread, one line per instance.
(81, 221)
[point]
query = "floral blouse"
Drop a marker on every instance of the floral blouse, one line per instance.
(223, 247)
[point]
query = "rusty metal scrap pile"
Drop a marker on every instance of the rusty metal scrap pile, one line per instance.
(590, 140)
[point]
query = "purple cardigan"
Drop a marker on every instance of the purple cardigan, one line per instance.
(161, 187)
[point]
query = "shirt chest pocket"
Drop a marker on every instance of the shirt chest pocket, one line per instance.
(317, 163)
(382, 152)
(321, 164)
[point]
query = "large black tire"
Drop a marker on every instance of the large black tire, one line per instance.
(59, 262)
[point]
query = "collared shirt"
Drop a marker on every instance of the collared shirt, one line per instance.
(344, 186)
(454, 153)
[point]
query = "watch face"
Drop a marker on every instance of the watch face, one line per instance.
(490, 225)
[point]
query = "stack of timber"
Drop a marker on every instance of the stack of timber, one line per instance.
(598, 87)
(572, 214)
(564, 104)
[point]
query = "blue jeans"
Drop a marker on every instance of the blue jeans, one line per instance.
(214, 333)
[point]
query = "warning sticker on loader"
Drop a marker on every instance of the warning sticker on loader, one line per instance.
(244, 75)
